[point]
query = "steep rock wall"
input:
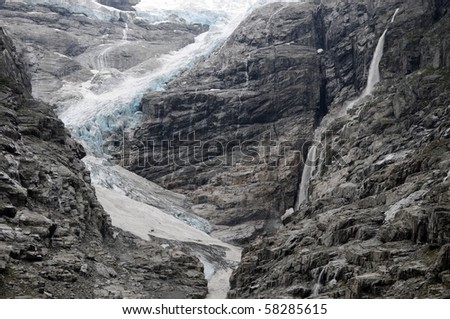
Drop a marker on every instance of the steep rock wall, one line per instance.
(377, 222)
(56, 241)
(251, 106)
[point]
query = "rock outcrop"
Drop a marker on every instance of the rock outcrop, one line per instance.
(377, 222)
(126, 5)
(56, 241)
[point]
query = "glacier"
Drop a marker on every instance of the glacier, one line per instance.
(146, 222)
(135, 187)
(90, 116)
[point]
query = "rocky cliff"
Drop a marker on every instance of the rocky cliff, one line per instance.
(232, 132)
(126, 5)
(56, 241)
(229, 132)
(376, 225)
(62, 46)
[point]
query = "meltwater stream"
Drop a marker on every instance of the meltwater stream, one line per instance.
(313, 157)
(93, 110)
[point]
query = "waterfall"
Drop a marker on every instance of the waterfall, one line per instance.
(125, 32)
(308, 173)
(102, 59)
(247, 76)
(395, 14)
(374, 71)
(311, 163)
(318, 285)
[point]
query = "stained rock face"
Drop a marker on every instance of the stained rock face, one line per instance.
(56, 241)
(377, 222)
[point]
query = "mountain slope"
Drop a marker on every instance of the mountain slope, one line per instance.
(232, 132)
(229, 132)
(56, 241)
(377, 221)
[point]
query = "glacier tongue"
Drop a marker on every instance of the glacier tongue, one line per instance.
(149, 222)
(151, 212)
(115, 108)
(135, 187)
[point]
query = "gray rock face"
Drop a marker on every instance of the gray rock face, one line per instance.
(63, 48)
(250, 106)
(56, 241)
(377, 222)
(254, 103)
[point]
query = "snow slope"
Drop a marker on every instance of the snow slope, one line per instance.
(146, 222)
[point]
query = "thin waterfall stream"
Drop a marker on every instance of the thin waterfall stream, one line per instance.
(312, 158)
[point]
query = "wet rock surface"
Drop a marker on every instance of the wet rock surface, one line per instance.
(56, 241)
(377, 222)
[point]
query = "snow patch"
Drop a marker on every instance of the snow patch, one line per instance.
(61, 55)
(143, 220)
(140, 189)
